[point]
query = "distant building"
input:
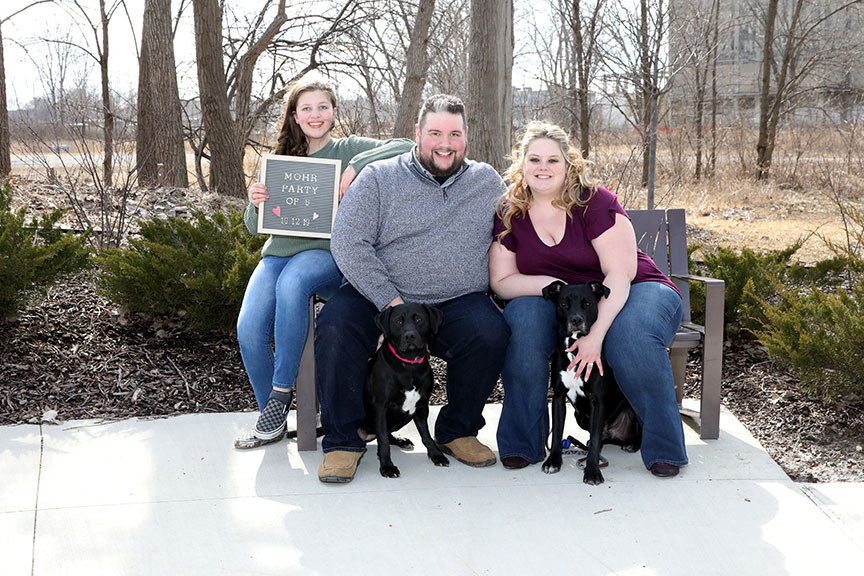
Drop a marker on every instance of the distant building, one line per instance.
(831, 60)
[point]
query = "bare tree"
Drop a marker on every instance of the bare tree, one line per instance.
(490, 91)
(801, 54)
(299, 43)
(696, 39)
(224, 140)
(160, 154)
(636, 59)
(713, 57)
(450, 39)
(5, 145)
(585, 29)
(415, 66)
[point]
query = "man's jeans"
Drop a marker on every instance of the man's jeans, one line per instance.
(275, 311)
(472, 339)
(635, 347)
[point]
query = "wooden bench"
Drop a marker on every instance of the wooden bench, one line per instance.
(662, 234)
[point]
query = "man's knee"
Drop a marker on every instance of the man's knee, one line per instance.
(491, 332)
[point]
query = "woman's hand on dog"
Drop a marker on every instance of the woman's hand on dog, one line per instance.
(587, 355)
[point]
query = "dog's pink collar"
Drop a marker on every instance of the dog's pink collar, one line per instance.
(393, 350)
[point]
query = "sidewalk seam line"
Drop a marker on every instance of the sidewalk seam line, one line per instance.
(36, 503)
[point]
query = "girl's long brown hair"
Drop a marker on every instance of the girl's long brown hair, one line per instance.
(292, 141)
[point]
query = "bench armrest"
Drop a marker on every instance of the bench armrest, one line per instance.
(703, 279)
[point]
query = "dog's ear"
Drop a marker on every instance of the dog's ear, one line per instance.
(435, 317)
(552, 291)
(600, 290)
(382, 321)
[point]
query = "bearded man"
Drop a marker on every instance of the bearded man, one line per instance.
(417, 228)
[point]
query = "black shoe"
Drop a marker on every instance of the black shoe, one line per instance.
(271, 422)
(514, 462)
(664, 470)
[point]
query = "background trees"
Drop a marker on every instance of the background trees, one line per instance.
(489, 102)
(159, 138)
(665, 79)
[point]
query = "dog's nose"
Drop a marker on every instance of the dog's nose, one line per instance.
(578, 325)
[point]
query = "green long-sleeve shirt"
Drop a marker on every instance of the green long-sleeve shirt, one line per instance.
(354, 150)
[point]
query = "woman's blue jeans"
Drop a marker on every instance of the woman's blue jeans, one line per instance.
(635, 347)
(274, 317)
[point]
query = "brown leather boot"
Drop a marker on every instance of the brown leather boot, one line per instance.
(339, 466)
(470, 451)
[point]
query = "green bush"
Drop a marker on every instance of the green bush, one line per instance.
(33, 255)
(819, 335)
(195, 269)
(753, 277)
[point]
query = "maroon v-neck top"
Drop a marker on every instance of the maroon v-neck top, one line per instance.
(573, 259)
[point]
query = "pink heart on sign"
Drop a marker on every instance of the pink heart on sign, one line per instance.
(314, 215)
(276, 211)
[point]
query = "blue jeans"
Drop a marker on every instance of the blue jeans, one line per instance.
(472, 339)
(274, 315)
(635, 347)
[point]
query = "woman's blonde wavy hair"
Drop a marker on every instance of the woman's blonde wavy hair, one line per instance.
(517, 198)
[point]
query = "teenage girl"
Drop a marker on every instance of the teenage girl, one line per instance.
(272, 325)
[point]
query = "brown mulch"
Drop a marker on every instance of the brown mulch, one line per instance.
(72, 354)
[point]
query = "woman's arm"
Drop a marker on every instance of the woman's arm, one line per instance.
(505, 278)
(616, 249)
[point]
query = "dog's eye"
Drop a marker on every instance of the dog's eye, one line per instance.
(565, 304)
(586, 304)
(418, 319)
(399, 321)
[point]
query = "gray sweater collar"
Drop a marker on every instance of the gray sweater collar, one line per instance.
(423, 173)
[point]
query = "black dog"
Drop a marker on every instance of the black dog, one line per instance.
(601, 407)
(400, 382)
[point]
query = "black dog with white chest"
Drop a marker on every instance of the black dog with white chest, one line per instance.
(400, 382)
(601, 408)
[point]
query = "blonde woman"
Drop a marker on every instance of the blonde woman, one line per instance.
(555, 223)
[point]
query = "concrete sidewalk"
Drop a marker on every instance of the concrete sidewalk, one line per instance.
(171, 496)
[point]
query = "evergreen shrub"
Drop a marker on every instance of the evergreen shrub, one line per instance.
(197, 269)
(33, 255)
(752, 278)
(819, 335)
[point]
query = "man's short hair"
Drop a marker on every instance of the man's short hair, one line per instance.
(441, 103)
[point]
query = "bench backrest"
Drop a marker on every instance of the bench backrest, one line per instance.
(662, 235)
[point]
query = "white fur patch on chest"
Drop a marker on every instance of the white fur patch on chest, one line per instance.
(411, 398)
(572, 382)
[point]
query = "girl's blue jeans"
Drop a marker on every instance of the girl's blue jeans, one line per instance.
(274, 317)
(636, 348)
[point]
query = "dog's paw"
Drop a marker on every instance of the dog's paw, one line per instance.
(552, 465)
(439, 460)
(403, 443)
(592, 477)
(631, 448)
(389, 471)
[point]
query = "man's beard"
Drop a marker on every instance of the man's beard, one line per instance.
(428, 162)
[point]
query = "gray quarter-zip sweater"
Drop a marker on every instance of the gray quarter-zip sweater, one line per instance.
(398, 232)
